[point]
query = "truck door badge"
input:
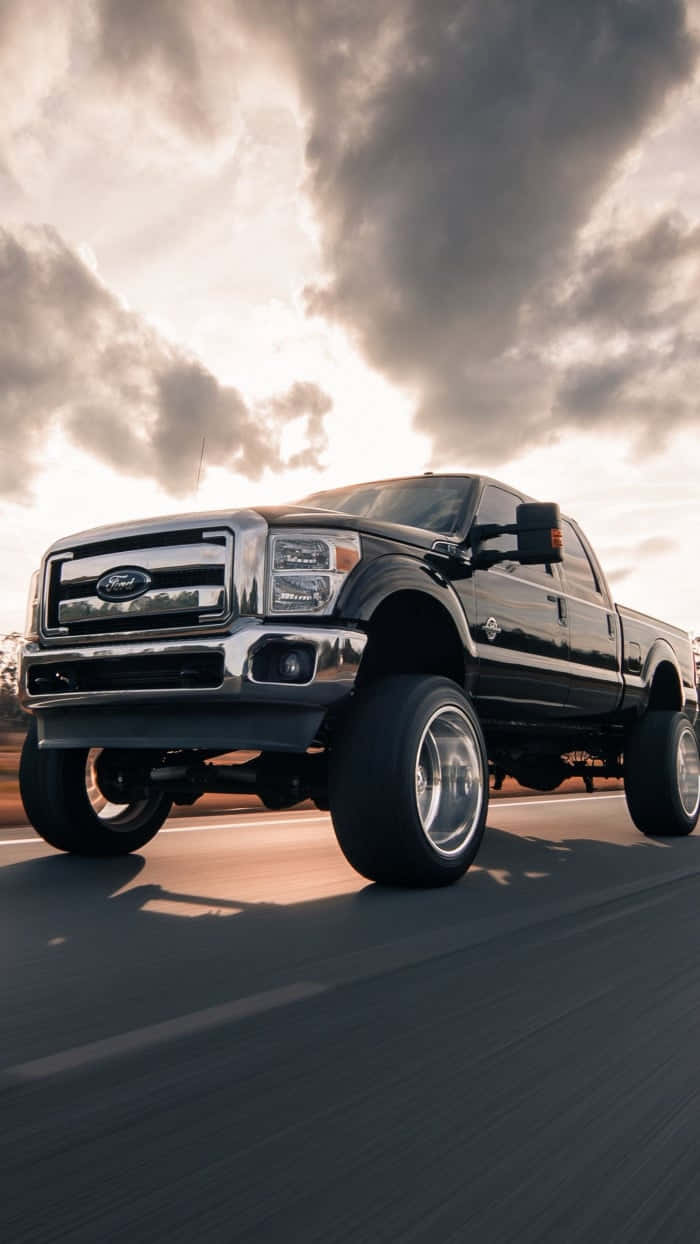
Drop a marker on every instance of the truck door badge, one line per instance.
(492, 629)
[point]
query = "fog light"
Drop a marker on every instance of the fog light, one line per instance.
(278, 662)
(291, 666)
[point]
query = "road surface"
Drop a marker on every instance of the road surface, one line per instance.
(233, 1037)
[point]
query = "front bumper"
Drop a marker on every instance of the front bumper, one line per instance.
(240, 712)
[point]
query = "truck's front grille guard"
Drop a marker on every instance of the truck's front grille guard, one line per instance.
(193, 590)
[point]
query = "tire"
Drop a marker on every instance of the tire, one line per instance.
(66, 809)
(662, 775)
(395, 821)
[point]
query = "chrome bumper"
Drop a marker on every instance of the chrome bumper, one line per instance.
(241, 712)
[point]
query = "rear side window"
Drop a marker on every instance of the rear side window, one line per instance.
(581, 579)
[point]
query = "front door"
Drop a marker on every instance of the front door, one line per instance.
(521, 627)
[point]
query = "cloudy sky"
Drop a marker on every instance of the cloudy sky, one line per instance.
(342, 239)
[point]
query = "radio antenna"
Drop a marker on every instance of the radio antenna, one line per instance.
(201, 460)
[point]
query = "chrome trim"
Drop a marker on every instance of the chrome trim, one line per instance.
(47, 568)
(244, 530)
(688, 772)
(168, 557)
(250, 555)
(451, 549)
(162, 600)
(338, 655)
(449, 781)
(220, 604)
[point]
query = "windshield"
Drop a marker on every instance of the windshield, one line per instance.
(433, 502)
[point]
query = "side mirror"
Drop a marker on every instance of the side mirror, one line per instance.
(540, 538)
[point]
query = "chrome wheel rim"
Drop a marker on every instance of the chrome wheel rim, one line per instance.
(688, 770)
(117, 816)
(449, 781)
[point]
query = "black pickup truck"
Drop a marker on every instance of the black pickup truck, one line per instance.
(381, 648)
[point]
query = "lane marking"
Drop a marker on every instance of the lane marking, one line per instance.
(322, 818)
(153, 1034)
(531, 803)
(319, 817)
(313, 817)
(17, 842)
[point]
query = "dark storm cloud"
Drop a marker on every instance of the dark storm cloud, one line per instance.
(631, 283)
(72, 356)
(648, 393)
(455, 151)
(636, 300)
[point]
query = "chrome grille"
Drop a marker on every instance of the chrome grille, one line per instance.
(187, 577)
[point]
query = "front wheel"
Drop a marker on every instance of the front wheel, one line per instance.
(408, 782)
(662, 775)
(65, 803)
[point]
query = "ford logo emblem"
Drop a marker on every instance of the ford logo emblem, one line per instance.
(124, 584)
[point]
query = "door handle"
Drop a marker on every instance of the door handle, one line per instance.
(562, 612)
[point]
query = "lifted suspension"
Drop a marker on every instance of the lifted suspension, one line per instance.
(280, 780)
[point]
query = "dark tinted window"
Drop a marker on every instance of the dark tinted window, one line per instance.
(435, 503)
(499, 506)
(578, 572)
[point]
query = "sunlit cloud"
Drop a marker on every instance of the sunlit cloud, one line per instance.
(72, 355)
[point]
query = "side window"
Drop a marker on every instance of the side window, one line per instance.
(578, 572)
(499, 506)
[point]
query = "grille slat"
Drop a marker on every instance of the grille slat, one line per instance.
(188, 585)
(184, 557)
(184, 600)
(207, 577)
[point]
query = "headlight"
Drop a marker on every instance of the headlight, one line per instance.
(31, 622)
(296, 558)
(301, 554)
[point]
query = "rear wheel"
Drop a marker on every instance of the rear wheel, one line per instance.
(408, 782)
(67, 805)
(662, 775)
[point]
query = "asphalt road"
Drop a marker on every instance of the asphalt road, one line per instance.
(232, 1037)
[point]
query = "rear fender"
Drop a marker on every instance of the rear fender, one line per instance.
(661, 654)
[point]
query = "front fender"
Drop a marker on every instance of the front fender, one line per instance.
(386, 575)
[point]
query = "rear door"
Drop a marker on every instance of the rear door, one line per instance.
(521, 627)
(594, 638)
